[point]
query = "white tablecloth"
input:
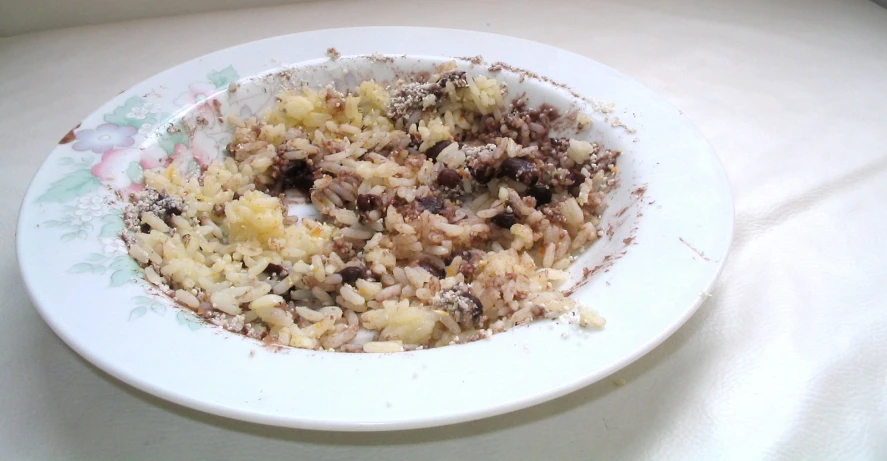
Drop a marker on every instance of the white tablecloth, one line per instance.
(787, 360)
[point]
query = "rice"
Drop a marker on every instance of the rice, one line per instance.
(448, 215)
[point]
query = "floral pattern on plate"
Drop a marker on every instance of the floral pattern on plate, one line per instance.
(135, 136)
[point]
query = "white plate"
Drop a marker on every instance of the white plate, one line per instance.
(671, 216)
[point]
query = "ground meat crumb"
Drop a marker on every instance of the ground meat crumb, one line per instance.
(458, 78)
(333, 53)
(409, 98)
(150, 201)
(464, 307)
(414, 96)
(481, 158)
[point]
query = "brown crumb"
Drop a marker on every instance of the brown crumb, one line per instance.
(691, 247)
(333, 53)
(379, 57)
(70, 136)
(476, 60)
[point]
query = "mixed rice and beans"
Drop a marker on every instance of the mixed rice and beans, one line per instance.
(447, 214)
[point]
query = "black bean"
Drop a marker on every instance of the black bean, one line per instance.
(145, 228)
(449, 178)
(436, 149)
(276, 269)
(576, 179)
(352, 274)
(432, 269)
(541, 193)
(478, 309)
(298, 176)
(483, 175)
(504, 220)
(521, 170)
(432, 204)
(368, 202)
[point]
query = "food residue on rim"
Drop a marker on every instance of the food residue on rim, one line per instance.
(692, 248)
(476, 60)
(587, 273)
(70, 136)
(333, 53)
(604, 107)
(379, 57)
(616, 123)
(608, 260)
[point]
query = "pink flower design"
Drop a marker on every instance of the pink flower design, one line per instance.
(197, 93)
(203, 150)
(123, 169)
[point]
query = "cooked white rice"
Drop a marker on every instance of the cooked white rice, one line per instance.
(449, 215)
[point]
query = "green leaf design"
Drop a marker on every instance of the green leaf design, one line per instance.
(135, 173)
(122, 277)
(137, 312)
(98, 269)
(112, 229)
(223, 77)
(65, 161)
(188, 319)
(51, 223)
(96, 257)
(119, 115)
(80, 268)
(141, 300)
(124, 262)
(82, 233)
(76, 184)
(158, 308)
(168, 141)
(113, 216)
(69, 236)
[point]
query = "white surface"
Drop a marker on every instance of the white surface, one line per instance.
(686, 208)
(787, 360)
(18, 17)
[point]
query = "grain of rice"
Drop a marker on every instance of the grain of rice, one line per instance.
(381, 347)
